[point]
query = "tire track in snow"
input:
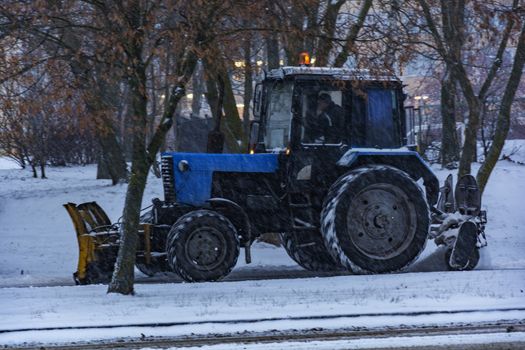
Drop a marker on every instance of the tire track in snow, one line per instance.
(316, 335)
(270, 319)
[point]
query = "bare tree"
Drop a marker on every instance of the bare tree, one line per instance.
(503, 120)
(59, 31)
(450, 48)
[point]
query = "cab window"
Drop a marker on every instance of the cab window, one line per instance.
(324, 114)
(279, 116)
(375, 114)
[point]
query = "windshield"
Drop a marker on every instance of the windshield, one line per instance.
(279, 116)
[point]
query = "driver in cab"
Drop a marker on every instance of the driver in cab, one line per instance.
(328, 125)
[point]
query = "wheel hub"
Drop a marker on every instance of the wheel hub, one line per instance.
(206, 248)
(381, 221)
(376, 220)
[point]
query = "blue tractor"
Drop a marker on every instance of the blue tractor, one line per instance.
(329, 169)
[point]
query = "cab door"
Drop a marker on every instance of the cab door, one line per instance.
(320, 133)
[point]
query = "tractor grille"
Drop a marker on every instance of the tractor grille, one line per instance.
(168, 179)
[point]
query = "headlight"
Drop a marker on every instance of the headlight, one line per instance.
(183, 166)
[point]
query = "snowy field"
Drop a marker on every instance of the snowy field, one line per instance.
(39, 249)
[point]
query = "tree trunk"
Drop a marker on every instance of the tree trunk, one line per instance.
(486, 140)
(232, 125)
(123, 274)
(312, 27)
(325, 45)
(153, 104)
(450, 48)
(33, 168)
(503, 121)
(449, 139)
(293, 41)
(102, 169)
(468, 153)
(212, 96)
(197, 86)
(272, 50)
(215, 143)
(112, 154)
(248, 87)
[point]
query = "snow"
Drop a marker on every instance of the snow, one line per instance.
(332, 302)
(39, 248)
(350, 74)
(351, 154)
(6, 163)
(515, 149)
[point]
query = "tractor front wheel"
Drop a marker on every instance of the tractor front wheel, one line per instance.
(375, 219)
(202, 245)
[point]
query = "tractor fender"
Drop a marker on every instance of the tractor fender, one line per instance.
(236, 214)
(402, 159)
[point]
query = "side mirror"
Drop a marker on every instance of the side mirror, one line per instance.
(258, 101)
(254, 136)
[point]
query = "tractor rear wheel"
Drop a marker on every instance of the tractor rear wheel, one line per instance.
(202, 245)
(375, 219)
(309, 252)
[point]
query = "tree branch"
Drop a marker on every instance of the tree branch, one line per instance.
(353, 33)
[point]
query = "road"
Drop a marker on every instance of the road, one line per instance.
(442, 309)
(504, 335)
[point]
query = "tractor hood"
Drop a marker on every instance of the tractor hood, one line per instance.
(191, 174)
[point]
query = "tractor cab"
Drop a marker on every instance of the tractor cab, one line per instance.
(298, 108)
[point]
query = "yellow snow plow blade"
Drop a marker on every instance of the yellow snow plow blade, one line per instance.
(97, 242)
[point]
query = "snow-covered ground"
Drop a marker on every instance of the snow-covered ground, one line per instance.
(328, 303)
(39, 248)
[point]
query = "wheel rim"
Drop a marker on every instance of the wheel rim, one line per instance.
(206, 248)
(381, 221)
